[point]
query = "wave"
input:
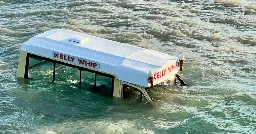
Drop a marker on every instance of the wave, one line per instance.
(101, 127)
(229, 2)
(9, 32)
(244, 3)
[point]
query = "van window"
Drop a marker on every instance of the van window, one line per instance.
(104, 85)
(39, 68)
(62, 73)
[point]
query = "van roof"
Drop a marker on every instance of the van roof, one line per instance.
(129, 63)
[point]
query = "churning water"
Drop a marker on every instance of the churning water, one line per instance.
(218, 37)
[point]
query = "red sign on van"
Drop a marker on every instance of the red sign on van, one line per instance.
(165, 71)
(87, 63)
(63, 57)
(75, 60)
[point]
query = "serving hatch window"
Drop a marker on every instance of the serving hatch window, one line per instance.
(40, 68)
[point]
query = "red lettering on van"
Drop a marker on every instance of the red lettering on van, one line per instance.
(61, 56)
(164, 72)
(94, 65)
(79, 61)
(56, 55)
(87, 63)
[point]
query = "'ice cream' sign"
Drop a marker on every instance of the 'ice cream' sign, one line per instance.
(76, 60)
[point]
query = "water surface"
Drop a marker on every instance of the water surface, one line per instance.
(217, 37)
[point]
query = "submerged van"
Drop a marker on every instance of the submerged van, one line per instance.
(121, 64)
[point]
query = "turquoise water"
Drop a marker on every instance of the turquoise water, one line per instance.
(217, 38)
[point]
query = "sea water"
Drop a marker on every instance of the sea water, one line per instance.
(217, 37)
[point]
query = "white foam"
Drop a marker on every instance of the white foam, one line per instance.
(99, 127)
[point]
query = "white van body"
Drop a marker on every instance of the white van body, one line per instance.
(126, 63)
